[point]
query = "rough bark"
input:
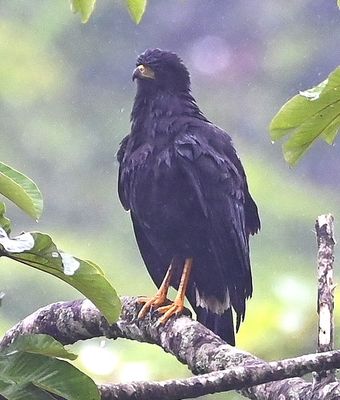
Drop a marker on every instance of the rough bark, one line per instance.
(219, 366)
(192, 344)
(325, 258)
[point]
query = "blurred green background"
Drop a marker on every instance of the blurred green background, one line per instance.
(66, 95)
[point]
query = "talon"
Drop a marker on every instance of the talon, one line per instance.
(150, 302)
(175, 308)
(159, 298)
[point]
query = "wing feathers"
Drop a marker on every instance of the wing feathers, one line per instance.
(217, 178)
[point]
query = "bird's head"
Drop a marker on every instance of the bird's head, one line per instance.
(161, 70)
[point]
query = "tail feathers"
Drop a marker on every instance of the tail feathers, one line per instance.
(222, 325)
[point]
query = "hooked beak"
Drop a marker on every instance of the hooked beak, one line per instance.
(143, 72)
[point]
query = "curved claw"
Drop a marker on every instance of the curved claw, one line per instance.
(159, 298)
(150, 302)
(175, 308)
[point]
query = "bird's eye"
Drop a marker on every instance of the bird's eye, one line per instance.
(141, 69)
(145, 71)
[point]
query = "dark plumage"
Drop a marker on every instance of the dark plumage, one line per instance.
(187, 193)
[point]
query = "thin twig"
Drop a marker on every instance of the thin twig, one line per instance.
(325, 258)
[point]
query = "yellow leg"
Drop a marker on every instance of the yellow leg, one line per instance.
(178, 305)
(159, 298)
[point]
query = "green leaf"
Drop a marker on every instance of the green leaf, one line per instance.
(84, 7)
(39, 344)
(24, 392)
(136, 9)
(339, 3)
(5, 223)
(311, 115)
(20, 190)
(25, 374)
(38, 250)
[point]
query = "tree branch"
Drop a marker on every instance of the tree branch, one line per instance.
(191, 343)
(325, 258)
(221, 367)
(223, 381)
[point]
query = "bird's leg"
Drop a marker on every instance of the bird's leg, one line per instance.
(159, 298)
(178, 305)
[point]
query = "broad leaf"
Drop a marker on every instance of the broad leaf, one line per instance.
(339, 3)
(20, 190)
(38, 250)
(84, 7)
(5, 223)
(311, 115)
(25, 374)
(39, 344)
(136, 9)
(23, 392)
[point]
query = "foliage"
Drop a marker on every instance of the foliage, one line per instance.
(65, 104)
(30, 370)
(38, 251)
(313, 114)
(5, 223)
(85, 8)
(136, 9)
(20, 190)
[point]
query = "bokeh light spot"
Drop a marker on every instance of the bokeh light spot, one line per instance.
(98, 359)
(210, 55)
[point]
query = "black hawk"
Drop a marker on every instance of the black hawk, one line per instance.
(188, 197)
